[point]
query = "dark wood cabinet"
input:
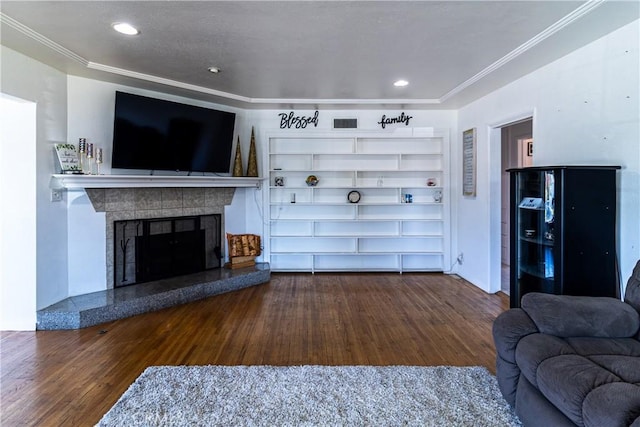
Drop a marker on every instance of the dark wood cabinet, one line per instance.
(563, 231)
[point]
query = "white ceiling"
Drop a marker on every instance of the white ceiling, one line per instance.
(316, 54)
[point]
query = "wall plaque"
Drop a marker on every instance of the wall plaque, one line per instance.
(469, 162)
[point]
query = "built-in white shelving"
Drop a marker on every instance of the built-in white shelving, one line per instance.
(318, 229)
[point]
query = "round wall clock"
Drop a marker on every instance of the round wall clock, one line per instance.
(353, 196)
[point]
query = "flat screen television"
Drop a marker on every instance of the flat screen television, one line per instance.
(155, 134)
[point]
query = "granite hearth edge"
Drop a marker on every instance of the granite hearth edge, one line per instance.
(112, 304)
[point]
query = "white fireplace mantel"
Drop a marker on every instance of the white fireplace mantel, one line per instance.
(73, 181)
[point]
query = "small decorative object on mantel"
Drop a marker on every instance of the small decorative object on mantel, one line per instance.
(98, 159)
(312, 180)
(90, 159)
(243, 250)
(252, 166)
(68, 158)
(82, 149)
(237, 163)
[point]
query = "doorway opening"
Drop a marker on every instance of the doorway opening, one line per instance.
(516, 152)
(17, 214)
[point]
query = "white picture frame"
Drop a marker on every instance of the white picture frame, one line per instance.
(68, 158)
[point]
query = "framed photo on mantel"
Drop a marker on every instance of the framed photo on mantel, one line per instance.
(469, 162)
(68, 158)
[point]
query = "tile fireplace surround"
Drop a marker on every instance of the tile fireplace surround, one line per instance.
(143, 203)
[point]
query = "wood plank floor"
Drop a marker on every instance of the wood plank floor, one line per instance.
(73, 377)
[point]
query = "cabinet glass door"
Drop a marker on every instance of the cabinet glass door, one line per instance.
(534, 232)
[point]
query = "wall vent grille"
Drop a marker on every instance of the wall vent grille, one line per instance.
(345, 123)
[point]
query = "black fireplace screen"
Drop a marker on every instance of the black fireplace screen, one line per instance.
(158, 248)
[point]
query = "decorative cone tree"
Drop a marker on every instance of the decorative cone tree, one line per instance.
(237, 164)
(252, 167)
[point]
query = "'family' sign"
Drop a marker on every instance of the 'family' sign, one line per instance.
(402, 118)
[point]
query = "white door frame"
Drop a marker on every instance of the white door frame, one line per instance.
(495, 192)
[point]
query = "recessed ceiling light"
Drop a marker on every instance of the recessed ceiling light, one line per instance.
(124, 28)
(214, 70)
(400, 83)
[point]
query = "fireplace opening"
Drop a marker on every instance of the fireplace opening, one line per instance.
(160, 248)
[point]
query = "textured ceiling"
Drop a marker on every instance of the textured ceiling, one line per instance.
(337, 53)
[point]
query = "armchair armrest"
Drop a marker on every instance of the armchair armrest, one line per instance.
(579, 316)
(508, 328)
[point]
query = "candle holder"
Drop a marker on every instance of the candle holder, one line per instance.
(90, 158)
(98, 159)
(82, 149)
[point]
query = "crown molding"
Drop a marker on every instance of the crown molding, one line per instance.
(166, 82)
(540, 37)
(34, 35)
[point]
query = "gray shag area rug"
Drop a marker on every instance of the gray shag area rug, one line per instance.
(312, 396)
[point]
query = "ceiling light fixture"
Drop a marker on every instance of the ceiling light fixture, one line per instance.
(214, 70)
(400, 83)
(124, 28)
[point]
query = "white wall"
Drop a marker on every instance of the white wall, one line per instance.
(28, 79)
(586, 111)
(18, 214)
(87, 259)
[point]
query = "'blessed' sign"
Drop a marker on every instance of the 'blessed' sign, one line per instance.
(290, 120)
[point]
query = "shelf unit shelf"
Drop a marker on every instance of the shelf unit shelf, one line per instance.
(315, 228)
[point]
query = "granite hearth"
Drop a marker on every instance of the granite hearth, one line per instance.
(112, 304)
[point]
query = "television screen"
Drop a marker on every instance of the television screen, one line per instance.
(155, 134)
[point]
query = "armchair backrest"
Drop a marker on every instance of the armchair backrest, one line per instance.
(632, 293)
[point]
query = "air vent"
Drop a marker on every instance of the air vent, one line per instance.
(345, 123)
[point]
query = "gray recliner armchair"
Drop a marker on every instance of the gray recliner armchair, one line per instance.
(572, 360)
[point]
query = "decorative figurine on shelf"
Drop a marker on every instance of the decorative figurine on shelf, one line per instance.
(437, 196)
(252, 166)
(237, 163)
(312, 180)
(279, 181)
